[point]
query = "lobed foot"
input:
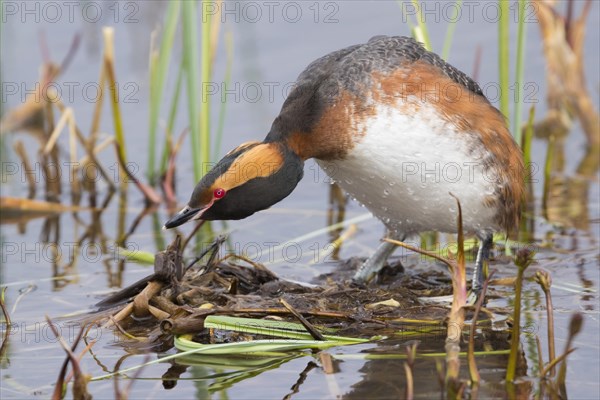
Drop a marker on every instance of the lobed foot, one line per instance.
(482, 256)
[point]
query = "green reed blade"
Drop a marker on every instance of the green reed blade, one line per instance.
(519, 84)
(190, 51)
(450, 30)
(158, 71)
(504, 55)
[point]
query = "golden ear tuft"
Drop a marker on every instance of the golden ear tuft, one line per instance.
(242, 147)
(260, 161)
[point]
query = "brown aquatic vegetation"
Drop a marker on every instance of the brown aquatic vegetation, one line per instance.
(574, 328)
(544, 279)
(411, 352)
(36, 116)
(80, 379)
(7, 322)
(456, 316)
(237, 289)
(568, 96)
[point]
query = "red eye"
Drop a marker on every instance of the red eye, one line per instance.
(219, 193)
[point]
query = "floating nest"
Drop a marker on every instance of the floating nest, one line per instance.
(177, 299)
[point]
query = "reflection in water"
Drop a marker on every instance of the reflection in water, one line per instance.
(385, 378)
(336, 213)
(303, 375)
(566, 197)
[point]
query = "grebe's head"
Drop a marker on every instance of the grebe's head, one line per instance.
(250, 178)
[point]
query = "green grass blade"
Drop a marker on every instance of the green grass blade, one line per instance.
(288, 330)
(237, 363)
(182, 342)
(109, 65)
(158, 72)
(511, 367)
(239, 324)
(450, 30)
(205, 101)
(548, 174)
(268, 347)
(293, 336)
(504, 55)
(138, 256)
(527, 139)
(521, 32)
(417, 34)
(171, 121)
(424, 34)
(157, 233)
(190, 51)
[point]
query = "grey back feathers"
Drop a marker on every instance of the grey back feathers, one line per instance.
(354, 65)
(351, 69)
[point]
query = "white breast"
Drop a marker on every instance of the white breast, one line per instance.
(404, 168)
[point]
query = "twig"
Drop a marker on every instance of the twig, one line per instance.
(214, 248)
(180, 326)
(123, 331)
(327, 363)
(62, 122)
(309, 327)
(256, 265)
(121, 315)
(420, 251)
(20, 150)
(168, 183)
(158, 313)
(90, 150)
(191, 235)
(314, 313)
(473, 370)
(165, 304)
(550, 366)
(80, 384)
(296, 386)
(149, 194)
(141, 301)
(8, 323)
(335, 245)
(147, 210)
(87, 348)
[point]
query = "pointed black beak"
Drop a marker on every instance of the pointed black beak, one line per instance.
(183, 216)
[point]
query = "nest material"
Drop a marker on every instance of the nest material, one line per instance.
(176, 299)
